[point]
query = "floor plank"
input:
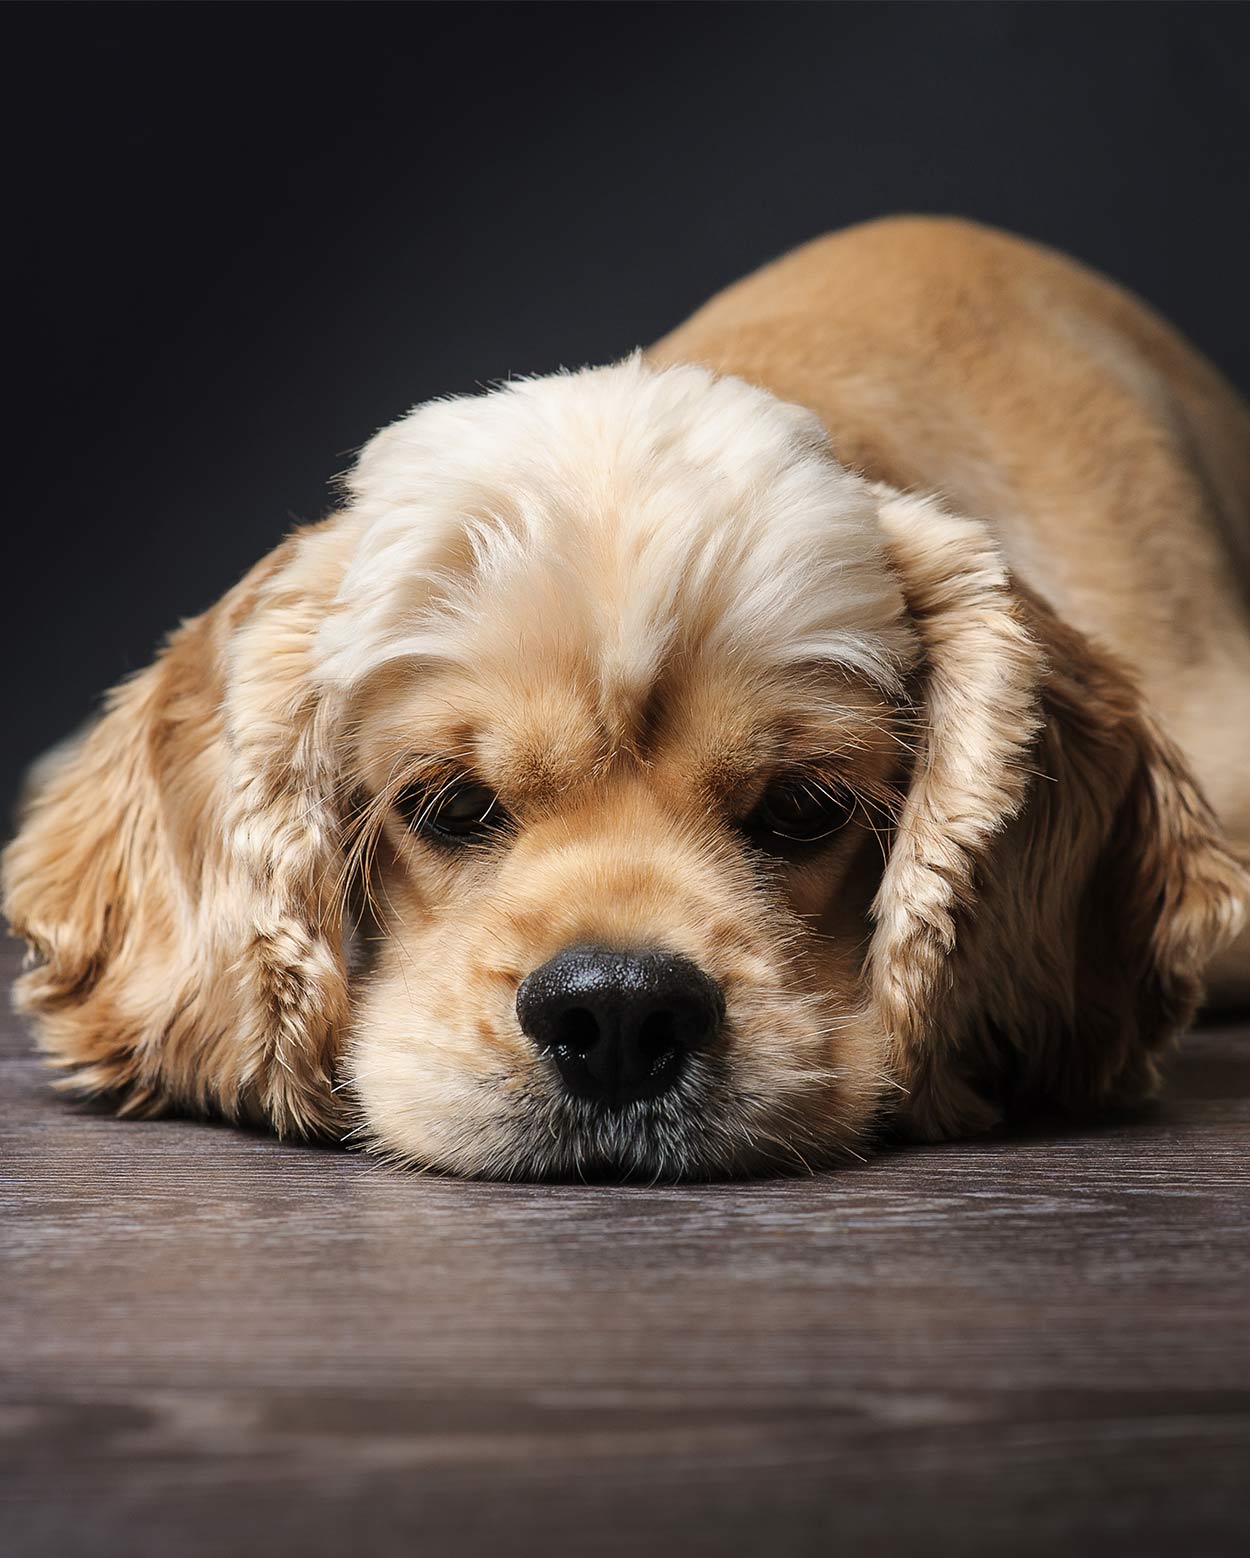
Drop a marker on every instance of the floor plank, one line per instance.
(216, 1344)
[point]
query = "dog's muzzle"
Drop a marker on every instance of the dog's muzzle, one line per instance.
(619, 1026)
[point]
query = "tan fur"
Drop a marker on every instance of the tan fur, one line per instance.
(1058, 883)
(167, 877)
(625, 599)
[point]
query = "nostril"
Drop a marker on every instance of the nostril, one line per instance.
(577, 1029)
(657, 1041)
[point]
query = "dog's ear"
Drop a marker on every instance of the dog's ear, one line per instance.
(1057, 883)
(177, 876)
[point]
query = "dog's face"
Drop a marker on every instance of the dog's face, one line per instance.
(619, 786)
(630, 783)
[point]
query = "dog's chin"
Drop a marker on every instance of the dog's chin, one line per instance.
(651, 1140)
(650, 1143)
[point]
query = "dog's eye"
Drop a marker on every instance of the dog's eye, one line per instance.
(800, 809)
(460, 813)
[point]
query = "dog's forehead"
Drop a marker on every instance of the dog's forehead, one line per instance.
(543, 732)
(599, 527)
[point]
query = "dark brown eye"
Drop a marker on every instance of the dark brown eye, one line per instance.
(800, 809)
(455, 814)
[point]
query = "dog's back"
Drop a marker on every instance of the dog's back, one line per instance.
(1111, 458)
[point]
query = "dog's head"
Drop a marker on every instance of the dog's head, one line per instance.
(620, 785)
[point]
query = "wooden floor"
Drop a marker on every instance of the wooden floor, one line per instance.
(213, 1344)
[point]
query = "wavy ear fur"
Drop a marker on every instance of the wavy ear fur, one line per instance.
(1057, 883)
(175, 877)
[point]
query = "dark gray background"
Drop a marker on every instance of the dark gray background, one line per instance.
(243, 237)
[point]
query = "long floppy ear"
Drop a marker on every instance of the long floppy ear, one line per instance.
(1057, 883)
(175, 877)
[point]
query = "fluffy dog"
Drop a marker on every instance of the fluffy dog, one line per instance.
(839, 713)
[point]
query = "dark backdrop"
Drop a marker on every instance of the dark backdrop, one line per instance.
(241, 237)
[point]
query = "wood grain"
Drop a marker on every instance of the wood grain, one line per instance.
(215, 1344)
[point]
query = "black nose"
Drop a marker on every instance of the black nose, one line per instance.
(619, 1025)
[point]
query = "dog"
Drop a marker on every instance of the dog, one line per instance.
(833, 720)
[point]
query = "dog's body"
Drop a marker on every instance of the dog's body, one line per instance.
(703, 802)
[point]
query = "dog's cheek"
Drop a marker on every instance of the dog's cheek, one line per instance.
(431, 1088)
(805, 1043)
(812, 1055)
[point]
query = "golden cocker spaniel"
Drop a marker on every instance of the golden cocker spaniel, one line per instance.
(837, 715)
